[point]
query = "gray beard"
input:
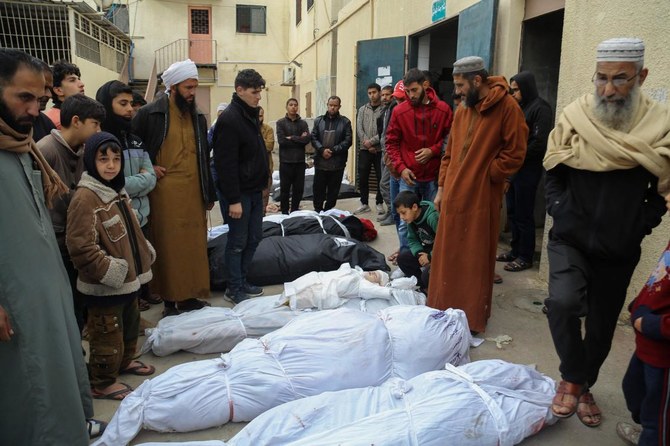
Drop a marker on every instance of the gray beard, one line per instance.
(617, 115)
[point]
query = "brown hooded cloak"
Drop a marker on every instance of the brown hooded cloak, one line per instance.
(487, 144)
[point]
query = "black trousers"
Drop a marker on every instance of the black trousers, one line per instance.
(326, 188)
(366, 161)
(581, 286)
(291, 185)
(521, 209)
(410, 266)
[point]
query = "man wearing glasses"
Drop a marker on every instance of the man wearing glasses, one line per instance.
(607, 160)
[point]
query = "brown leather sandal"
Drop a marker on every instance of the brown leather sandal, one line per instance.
(566, 388)
(587, 411)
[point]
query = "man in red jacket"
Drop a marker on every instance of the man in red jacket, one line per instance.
(415, 135)
(646, 384)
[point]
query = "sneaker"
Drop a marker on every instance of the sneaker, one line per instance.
(387, 221)
(380, 209)
(362, 209)
(383, 216)
(252, 290)
(629, 433)
(235, 296)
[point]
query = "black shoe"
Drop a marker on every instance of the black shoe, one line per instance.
(252, 290)
(170, 311)
(192, 304)
(235, 296)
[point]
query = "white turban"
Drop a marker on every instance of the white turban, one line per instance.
(179, 72)
(222, 106)
(620, 49)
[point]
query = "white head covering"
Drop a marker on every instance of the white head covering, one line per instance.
(221, 107)
(620, 49)
(179, 72)
(469, 64)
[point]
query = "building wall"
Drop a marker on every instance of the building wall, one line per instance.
(311, 42)
(156, 23)
(585, 25)
(93, 75)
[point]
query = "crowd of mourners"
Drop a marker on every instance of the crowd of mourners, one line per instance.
(104, 212)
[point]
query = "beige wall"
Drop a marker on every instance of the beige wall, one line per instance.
(156, 23)
(310, 43)
(585, 25)
(93, 75)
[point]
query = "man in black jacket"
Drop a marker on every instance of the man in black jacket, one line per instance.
(331, 139)
(241, 162)
(523, 185)
(174, 132)
(293, 136)
(607, 160)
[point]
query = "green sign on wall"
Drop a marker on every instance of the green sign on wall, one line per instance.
(439, 10)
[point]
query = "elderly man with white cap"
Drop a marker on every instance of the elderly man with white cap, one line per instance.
(607, 160)
(487, 145)
(175, 133)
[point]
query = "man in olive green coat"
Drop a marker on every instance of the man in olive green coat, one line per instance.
(44, 389)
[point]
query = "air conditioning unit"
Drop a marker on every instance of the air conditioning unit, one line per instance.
(288, 77)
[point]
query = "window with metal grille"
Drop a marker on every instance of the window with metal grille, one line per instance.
(199, 21)
(251, 19)
(38, 29)
(298, 12)
(310, 3)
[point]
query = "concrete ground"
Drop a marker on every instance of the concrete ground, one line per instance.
(517, 304)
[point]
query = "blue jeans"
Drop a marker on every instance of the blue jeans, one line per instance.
(646, 391)
(400, 225)
(244, 235)
(426, 190)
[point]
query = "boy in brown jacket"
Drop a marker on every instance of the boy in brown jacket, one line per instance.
(113, 259)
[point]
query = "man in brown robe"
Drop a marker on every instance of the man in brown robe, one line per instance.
(486, 145)
(175, 133)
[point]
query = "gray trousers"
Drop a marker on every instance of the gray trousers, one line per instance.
(385, 185)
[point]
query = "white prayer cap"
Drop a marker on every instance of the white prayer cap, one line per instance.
(221, 107)
(179, 72)
(469, 64)
(620, 49)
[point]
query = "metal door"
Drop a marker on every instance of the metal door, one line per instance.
(477, 31)
(381, 61)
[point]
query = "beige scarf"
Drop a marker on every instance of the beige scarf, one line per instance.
(582, 142)
(13, 141)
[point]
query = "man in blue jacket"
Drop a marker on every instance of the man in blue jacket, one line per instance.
(241, 163)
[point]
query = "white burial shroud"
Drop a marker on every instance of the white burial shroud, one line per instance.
(484, 403)
(316, 352)
(218, 330)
